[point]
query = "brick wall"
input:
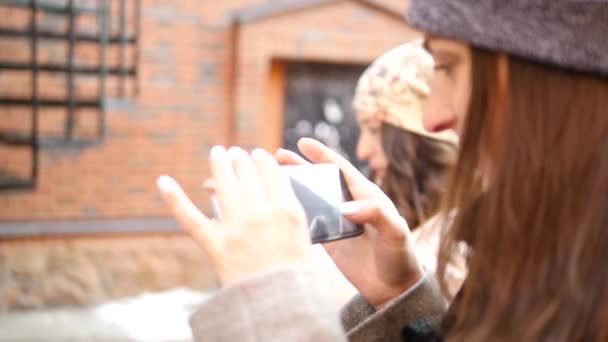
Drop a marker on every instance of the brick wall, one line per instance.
(182, 109)
(342, 32)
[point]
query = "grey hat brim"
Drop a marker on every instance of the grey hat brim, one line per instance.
(565, 33)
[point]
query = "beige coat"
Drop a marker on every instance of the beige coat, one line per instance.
(427, 237)
(295, 305)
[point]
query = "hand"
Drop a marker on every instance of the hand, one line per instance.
(263, 225)
(382, 262)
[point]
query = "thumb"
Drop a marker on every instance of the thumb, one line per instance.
(370, 211)
(187, 214)
(286, 157)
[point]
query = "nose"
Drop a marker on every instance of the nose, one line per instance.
(438, 117)
(437, 114)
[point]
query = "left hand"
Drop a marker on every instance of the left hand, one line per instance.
(263, 225)
(381, 263)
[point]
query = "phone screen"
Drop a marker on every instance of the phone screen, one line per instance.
(321, 188)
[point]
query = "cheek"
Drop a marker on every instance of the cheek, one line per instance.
(437, 101)
(438, 107)
(367, 146)
(382, 160)
(462, 97)
(463, 89)
(375, 143)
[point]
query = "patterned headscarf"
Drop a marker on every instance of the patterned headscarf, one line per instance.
(395, 86)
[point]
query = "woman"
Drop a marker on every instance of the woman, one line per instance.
(525, 86)
(407, 162)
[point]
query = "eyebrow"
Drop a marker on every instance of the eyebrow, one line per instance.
(445, 56)
(427, 38)
(367, 121)
(438, 55)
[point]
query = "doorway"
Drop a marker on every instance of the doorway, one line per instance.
(318, 103)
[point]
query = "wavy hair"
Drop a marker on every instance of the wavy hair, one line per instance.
(416, 171)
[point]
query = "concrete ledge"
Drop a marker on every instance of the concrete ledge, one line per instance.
(87, 227)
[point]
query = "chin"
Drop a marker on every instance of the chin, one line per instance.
(377, 178)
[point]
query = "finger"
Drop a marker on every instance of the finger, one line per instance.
(186, 213)
(209, 185)
(276, 183)
(319, 153)
(215, 206)
(370, 211)
(252, 192)
(227, 190)
(286, 157)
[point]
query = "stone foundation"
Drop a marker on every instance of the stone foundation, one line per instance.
(48, 273)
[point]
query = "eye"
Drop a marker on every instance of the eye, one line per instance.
(444, 67)
(374, 130)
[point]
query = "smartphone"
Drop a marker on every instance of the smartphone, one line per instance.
(320, 189)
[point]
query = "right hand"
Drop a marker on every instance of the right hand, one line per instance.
(263, 226)
(381, 263)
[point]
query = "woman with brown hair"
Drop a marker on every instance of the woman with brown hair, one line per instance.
(406, 162)
(525, 84)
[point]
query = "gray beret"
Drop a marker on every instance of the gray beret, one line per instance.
(571, 34)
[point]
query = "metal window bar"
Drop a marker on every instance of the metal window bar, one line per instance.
(69, 122)
(103, 37)
(48, 6)
(121, 56)
(34, 128)
(78, 36)
(103, 33)
(51, 67)
(137, 21)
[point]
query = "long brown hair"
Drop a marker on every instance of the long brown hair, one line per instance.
(414, 179)
(531, 188)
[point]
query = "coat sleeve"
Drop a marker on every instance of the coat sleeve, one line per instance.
(293, 305)
(363, 323)
(286, 305)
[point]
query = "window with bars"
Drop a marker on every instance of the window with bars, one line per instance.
(108, 27)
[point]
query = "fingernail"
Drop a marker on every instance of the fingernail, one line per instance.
(279, 153)
(166, 184)
(215, 206)
(349, 208)
(208, 184)
(235, 152)
(217, 151)
(258, 153)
